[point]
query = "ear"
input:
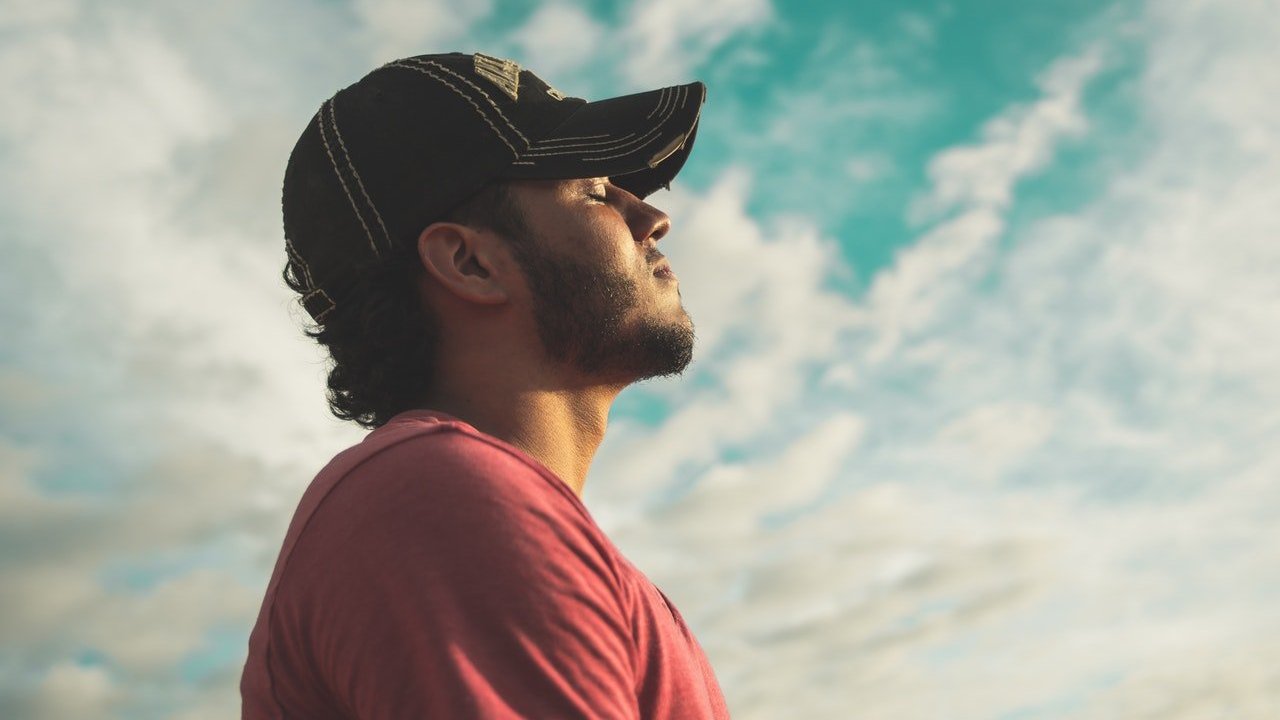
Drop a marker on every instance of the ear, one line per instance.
(466, 261)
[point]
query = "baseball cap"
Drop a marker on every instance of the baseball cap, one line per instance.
(412, 140)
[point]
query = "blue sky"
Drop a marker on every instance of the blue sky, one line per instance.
(980, 422)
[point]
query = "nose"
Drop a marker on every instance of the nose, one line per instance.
(648, 223)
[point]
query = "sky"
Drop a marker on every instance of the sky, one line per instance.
(982, 414)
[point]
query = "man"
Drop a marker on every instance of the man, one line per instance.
(477, 255)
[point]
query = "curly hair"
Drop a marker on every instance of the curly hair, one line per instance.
(382, 338)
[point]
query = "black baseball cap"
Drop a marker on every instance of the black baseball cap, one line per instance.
(417, 137)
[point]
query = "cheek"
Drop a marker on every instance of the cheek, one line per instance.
(613, 249)
(598, 238)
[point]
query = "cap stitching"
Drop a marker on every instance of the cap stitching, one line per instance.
(621, 142)
(613, 145)
(655, 129)
(495, 105)
(662, 101)
(638, 141)
(323, 313)
(611, 139)
(464, 96)
(680, 92)
(671, 97)
(333, 120)
(296, 257)
(667, 113)
(603, 145)
(480, 90)
(581, 137)
(341, 181)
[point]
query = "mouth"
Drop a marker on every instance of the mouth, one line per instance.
(663, 271)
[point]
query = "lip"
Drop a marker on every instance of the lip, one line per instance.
(663, 270)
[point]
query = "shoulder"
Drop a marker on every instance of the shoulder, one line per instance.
(436, 543)
(448, 460)
(435, 479)
(448, 501)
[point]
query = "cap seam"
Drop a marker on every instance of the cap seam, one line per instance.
(342, 181)
(333, 121)
(484, 94)
(480, 111)
(296, 256)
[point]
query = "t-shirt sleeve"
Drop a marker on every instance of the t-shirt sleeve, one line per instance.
(444, 578)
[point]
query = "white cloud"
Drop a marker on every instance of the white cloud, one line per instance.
(976, 183)
(1241, 680)
(148, 634)
(152, 314)
(745, 285)
(725, 508)
(72, 692)
(1017, 142)
(823, 142)
(400, 28)
(200, 304)
(24, 13)
(663, 40)
(991, 438)
(559, 38)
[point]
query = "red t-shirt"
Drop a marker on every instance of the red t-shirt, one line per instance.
(433, 571)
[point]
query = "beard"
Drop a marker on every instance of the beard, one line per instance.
(581, 315)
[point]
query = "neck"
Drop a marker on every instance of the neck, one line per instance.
(561, 427)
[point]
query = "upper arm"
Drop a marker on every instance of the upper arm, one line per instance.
(463, 589)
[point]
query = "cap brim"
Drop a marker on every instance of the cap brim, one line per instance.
(640, 141)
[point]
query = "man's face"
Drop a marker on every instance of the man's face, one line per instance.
(600, 297)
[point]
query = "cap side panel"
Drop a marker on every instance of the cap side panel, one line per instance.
(346, 154)
(480, 111)
(480, 90)
(324, 137)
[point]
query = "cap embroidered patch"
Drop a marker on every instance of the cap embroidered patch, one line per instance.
(503, 73)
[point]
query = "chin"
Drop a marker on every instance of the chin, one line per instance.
(664, 349)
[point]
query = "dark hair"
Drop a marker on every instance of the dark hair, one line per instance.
(382, 338)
